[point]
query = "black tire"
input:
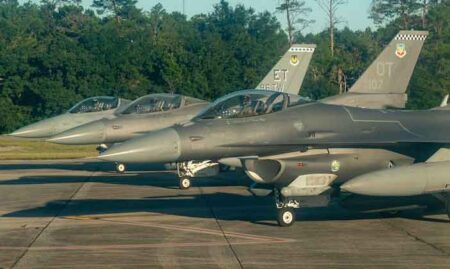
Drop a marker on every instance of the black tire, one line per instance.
(121, 168)
(286, 217)
(185, 183)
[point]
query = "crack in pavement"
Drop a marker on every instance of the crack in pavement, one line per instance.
(64, 206)
(230, 246)
(415, 237)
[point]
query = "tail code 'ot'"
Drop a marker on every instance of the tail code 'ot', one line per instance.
(386, 80)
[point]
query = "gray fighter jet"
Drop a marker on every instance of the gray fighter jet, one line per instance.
(325, 144)
(319, 146)
(157, 111)
(378, 87)
(86, 111)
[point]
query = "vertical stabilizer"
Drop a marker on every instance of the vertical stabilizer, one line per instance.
(384, 83)
(288, 74)
(393, 68)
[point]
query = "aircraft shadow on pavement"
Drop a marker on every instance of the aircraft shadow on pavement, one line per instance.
(161, 179)
(78, 165)
(223, 206)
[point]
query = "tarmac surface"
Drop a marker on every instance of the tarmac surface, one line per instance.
(80, 214)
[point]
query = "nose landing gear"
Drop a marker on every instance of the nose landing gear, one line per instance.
(285, 209)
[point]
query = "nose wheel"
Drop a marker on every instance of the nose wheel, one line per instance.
(120, 168)
(285, 216)
(185, 183)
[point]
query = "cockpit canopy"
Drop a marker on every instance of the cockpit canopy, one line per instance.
(249, 103)
(158, 103)
(95, 104)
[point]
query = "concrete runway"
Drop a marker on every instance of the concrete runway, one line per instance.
(78, 214)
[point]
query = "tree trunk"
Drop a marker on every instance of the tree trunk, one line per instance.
(342, 81)
(116, 11)
(289, 22)
(331, 13)
(424, 14)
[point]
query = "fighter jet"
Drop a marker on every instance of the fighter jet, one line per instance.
(86, 111)
(378, 87)
(324, 144)
(157, 111)
(314, 148)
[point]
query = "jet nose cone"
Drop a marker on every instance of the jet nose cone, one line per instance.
(35, 130)
(156, 147)
(91, 133)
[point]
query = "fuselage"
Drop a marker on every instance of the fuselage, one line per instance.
(88, 110)
(148, 113)
(297, 128)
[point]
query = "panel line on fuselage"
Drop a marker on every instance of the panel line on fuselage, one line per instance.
(381, 121)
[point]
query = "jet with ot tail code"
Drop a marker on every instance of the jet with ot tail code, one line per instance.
(308, 154)
(378, 87)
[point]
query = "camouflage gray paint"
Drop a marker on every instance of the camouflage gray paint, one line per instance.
(88, 110)
(288, 74)
(385, 82)
(300, 127)
(150, 112)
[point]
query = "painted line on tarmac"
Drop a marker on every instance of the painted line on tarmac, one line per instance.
(246, 239)
(186, 229)
(130, 246)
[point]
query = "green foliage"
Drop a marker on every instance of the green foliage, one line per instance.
(386, 10)
(55, 53)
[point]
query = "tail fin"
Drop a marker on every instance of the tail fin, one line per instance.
(393, 68)
(288, 74)
(384, 83)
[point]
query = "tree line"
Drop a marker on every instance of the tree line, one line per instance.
(56, 52)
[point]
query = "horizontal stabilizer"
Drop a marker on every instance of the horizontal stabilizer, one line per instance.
(369, 100)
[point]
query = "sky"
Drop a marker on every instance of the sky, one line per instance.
(354, 13)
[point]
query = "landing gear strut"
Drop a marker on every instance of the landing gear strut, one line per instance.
(120, 168)
(447, 206)
(188, 170)
(285, 209)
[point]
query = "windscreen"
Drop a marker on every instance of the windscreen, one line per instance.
(95, 104)
(248, 103)
(154, 103)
